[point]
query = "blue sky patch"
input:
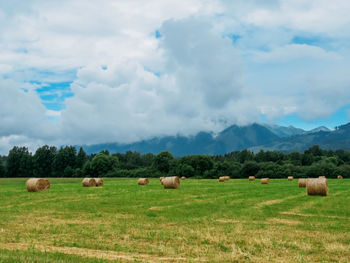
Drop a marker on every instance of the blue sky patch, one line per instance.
(338, 118)
(53, 95)
(234, 38)
(157, 34)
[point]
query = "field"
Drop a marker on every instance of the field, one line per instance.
(203, 221)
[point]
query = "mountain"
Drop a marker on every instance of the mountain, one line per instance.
(282, 131)
(234, 138)
(238, 138)
(230, 139)
(322, 136)
(318, 129)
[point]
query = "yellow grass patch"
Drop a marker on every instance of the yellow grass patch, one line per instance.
(156, 208)
(284, 221)
(93, 253)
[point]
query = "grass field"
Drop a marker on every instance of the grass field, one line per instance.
(203, 221)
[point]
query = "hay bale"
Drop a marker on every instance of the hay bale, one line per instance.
(251, 178)
(222, 179)
(99, 181)
(37, 184)
(183, 178)
(340, 177)
(89, 182)
(265, 180)
(172, 182)
(290, 178)
(227, 178)
(302, 182)
(161, 180)
(317, 186)
(143, 181)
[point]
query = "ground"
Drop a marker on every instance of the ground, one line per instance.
(203, 221)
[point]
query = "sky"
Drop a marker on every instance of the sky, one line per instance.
(86, 72)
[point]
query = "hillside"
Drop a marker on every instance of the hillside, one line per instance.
(337, 139)
(234, 138)
(230, 139)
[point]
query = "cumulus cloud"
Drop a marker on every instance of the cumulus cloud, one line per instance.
(200, 75)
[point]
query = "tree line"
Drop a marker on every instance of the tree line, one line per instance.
(48, 161)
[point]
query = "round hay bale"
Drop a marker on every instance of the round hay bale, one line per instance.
(317, 186)
(172, 182)
(290, 178)
(37, 184)
(99, 181)
(302, 182)
(340, 177)
(265, 180)
(222, 179)
(251, 178)
(143, 181)
(89, 182)
(183, 178)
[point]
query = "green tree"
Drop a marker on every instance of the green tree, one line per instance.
(68, 171)
(19, 162)
(81, 158)
(102, 164)
(43, 160)
(183, 170)
(133, 160)
(246, 155)
(147, 159)
(87, 170)
(200, 163)
(2, 169)
(66, 156)
(250, 168)
(162, 161)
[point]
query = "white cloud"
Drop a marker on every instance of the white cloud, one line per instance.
(201, 75)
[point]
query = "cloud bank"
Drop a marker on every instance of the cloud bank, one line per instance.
(82, 72)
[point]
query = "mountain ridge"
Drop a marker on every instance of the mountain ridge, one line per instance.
(254, 137)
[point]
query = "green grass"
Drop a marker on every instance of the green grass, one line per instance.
(204, 220)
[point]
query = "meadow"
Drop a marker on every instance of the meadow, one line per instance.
(203, 221)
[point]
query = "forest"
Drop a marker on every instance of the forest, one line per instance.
(48, 161)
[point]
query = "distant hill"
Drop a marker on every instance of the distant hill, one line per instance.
(282, 131)
(253, 137)
(230, 139)
(325, 138)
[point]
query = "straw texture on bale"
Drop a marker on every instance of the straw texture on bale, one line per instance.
(89, 182)
(290, 178)
(302, 182)
(222, 179)
(251, 178)
(143, 181)
(322, 177)
(37, 184)
(172, 182)
(265, 180)
(317, 186)
(227, 178)
(340, 177)
(99, 181)
(183, 178)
